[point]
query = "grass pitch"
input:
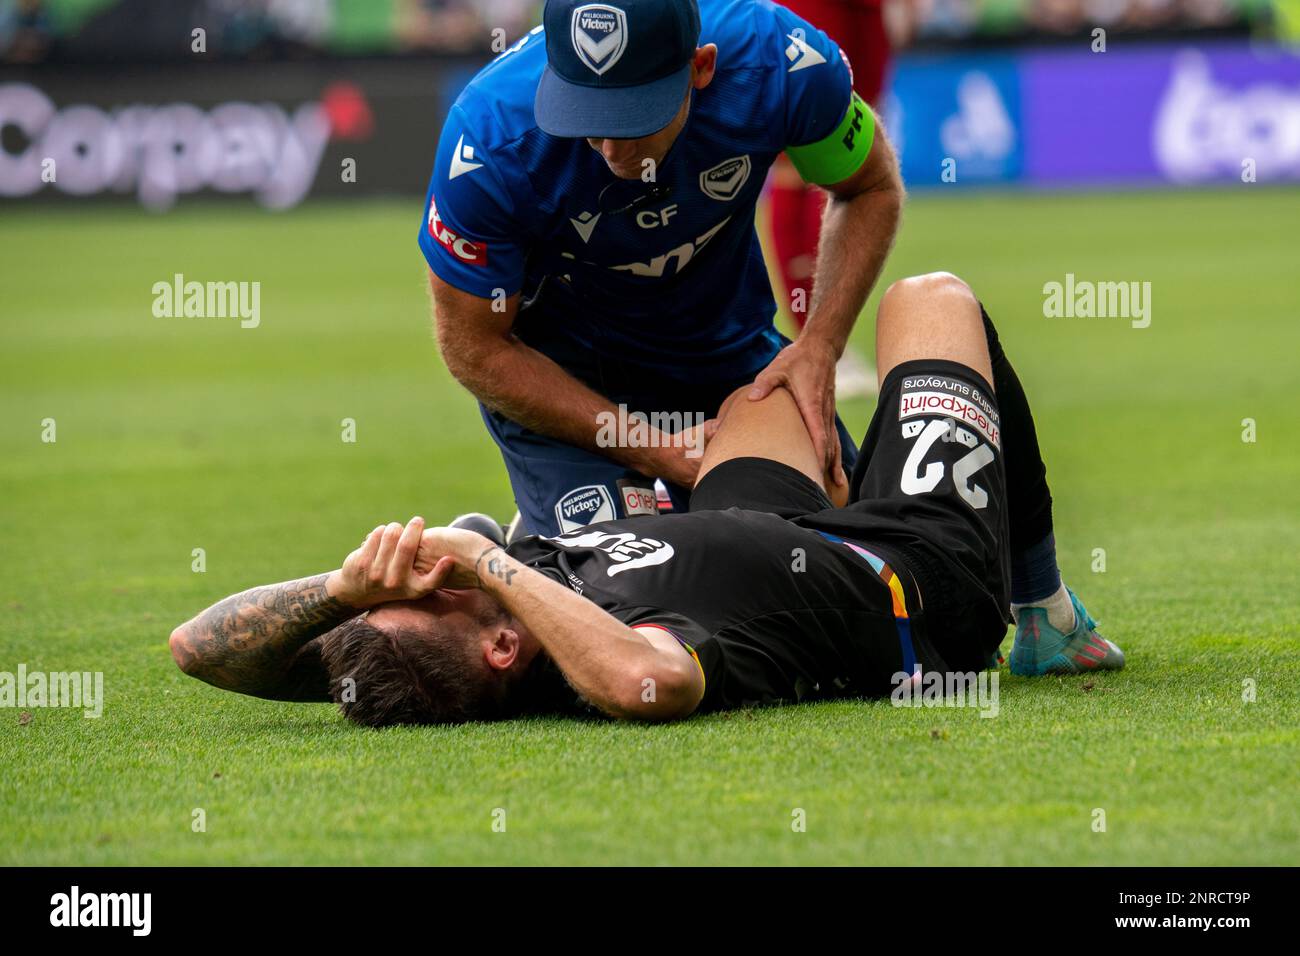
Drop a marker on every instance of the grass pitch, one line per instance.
(177, 434)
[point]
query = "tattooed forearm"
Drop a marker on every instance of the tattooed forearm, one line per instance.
(249, 641)
(494, 565)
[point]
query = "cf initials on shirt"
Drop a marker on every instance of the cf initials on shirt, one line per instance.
(653, 219)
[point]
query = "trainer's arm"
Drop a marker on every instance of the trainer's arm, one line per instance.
(632, 673)
(521, 383)
(857, 232)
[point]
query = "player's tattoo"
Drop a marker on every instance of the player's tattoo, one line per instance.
(496, 566)
(251, 641)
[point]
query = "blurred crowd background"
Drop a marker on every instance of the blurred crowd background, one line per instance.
(88, 30)
(276, 100)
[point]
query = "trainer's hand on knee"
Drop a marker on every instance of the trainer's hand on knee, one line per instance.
(806, 369)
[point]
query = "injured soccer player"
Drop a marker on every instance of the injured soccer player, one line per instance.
(765, 592)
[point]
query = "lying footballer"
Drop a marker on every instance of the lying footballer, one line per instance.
(764, 592)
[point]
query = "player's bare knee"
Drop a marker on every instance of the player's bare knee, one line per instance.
(936, 303)
(930, 292)
(935, 315)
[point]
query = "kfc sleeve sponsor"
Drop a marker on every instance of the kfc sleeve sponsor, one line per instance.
(467, 251)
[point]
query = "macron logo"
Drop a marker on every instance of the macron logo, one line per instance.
(586, 224)
(462, 161)
(800, 54)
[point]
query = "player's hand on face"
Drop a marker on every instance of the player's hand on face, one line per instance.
(450, 555)
(806, 368)
(384, 568)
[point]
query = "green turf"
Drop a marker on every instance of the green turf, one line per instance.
(175, 434)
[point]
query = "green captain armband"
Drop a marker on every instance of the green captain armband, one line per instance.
(841, 154)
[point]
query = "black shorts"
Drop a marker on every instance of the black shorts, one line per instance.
(928, 492)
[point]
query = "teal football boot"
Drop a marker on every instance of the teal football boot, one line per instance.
(1041, 649)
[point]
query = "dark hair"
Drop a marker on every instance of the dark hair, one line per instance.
(406, 676)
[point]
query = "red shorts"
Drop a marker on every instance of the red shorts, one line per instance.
(858, 26)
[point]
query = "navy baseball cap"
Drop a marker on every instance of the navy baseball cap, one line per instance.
(617, 70)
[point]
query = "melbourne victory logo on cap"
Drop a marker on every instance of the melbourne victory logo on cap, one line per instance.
(599, 35)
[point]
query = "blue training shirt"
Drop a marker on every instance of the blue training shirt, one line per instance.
(667, 274)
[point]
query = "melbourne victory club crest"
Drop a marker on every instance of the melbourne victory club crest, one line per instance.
(599, 34)
(725, 180)
(582, 506)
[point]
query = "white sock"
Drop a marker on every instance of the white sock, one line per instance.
(1060, 610)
